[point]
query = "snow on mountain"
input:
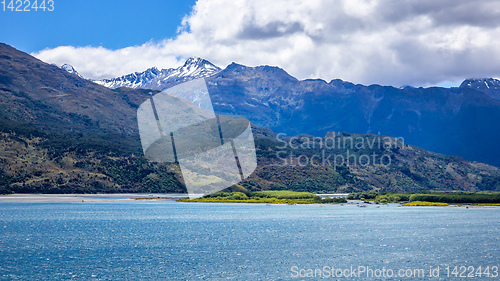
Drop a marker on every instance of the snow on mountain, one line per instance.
(487, 83)
(156, 79)
(133, 80)
(69, 68)
(489, 86)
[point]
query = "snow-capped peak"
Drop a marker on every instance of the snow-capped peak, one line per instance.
(69, 68)
(483, 83)
(489, 86)
(156, 79)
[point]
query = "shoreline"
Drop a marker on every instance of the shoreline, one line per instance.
(108, 197)
(141, 197)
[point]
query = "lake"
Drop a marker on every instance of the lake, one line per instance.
(167, 240)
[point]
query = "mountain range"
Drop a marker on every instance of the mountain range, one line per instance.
(60, 133)
(156, 79)
(454, 121)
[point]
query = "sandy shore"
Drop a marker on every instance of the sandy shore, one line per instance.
(41, 198)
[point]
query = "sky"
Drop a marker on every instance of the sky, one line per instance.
(387, 42)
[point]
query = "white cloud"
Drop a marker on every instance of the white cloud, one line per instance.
(419, 42)
(99, 62)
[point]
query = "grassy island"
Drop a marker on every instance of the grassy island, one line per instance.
(268, 196)
(431, 198)
(423, 203)
(421, 198)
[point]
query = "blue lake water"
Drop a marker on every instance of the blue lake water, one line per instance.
(166, 240)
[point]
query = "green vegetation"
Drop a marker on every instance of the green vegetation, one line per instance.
(457, 197)
(268, 196)
(449, 197)
(488, 204)
(45, 162)
(37, 160)
(420, 203)
(311, 167)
